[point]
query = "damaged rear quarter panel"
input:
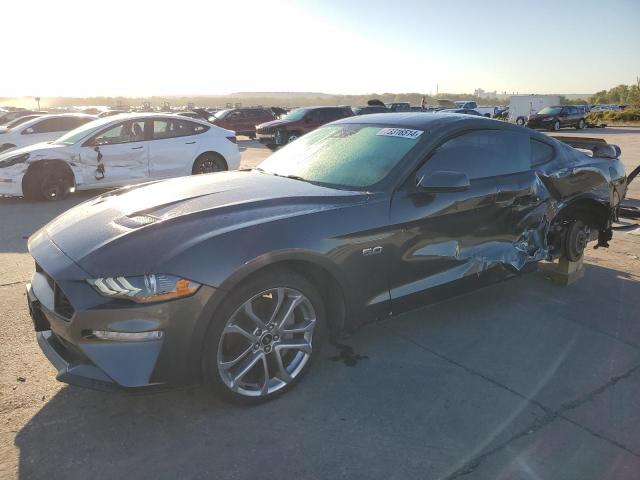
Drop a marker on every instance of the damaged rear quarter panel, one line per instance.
(499, 225)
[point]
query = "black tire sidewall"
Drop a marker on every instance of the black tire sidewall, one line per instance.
(262, 281)
(208, 156)
(33, 183)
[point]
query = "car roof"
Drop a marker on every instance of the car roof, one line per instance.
(434, 121)
(48, 116)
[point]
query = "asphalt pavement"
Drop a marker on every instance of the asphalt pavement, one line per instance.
(519, 380)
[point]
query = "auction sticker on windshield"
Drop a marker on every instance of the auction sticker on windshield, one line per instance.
(400, 132)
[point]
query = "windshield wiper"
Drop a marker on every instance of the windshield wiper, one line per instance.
(296, 177)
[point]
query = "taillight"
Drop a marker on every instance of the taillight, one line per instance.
(232, 139)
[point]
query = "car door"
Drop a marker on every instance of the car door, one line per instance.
(117, 155)
(173, 147)
(452, 235)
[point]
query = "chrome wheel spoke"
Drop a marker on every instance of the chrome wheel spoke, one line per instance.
(282, 371)
(301, 345)
(233, 328)
(265, 383)
(290, 310)
(245, 369)
(228, 364)
(248, 310)
(280, 294)
(300, 329)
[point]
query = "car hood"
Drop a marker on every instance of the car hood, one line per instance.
(173, 214)
(540, 117)
(273, 123)
(37, 150)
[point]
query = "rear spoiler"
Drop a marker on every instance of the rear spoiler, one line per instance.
(598, 146)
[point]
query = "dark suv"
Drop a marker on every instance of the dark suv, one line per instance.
(297, 123)
(243, 121)
(554, 118)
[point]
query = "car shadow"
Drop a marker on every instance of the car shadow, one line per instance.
(82, 433)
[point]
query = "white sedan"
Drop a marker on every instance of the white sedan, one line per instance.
(116, 151)
(43, 128)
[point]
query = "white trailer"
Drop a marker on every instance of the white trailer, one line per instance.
(521, 106)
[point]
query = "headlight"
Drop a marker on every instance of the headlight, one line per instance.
(14, 160)
(145, 288)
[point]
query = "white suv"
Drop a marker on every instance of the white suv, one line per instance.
(115, 151)
(42, 128)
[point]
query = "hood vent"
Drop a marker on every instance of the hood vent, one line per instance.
(136, 220)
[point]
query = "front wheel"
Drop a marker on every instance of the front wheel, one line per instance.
(580, 125)
(208, 163)
(520, 121)
(264, 338)
(49, 184)
(556, 126)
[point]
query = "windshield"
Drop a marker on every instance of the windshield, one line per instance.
(221, 114)
(349, 155)
(550, 111)
(295, 115)
(74, 136)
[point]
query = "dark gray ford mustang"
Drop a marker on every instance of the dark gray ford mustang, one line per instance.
(236, 278)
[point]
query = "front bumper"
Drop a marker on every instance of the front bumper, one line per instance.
(64, 335)
(10, 186)
(266, 138)
(540, 123)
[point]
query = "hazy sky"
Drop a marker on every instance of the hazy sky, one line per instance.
(133, 47)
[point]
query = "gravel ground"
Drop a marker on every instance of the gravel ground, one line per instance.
(519, 380)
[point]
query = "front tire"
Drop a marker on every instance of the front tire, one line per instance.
(520, 121)
(580, 125)
(556, 126)
(50, 184)
(264, 337)
(209, 163)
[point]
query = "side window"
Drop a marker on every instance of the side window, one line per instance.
(197, 128)
(124, 132)
(45, 126)
(331, 114)
(482, 153)
(69, 123)
(237, 115)
(540, 152)
(169, 128)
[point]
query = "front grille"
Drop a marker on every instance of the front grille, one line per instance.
(61, 304)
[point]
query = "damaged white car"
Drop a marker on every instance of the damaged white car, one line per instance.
(117, 151)
(41, 128)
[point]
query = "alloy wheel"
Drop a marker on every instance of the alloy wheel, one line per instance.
(266, 342)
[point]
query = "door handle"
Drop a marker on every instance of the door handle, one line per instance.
(136, 148)
(189, 143)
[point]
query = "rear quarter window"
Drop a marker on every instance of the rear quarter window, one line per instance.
(540, 152)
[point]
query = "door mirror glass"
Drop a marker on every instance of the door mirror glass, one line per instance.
(443, 181)
(29, 130)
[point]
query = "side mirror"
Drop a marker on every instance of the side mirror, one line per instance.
(28, 130)
(443, 181)
(308, 120)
